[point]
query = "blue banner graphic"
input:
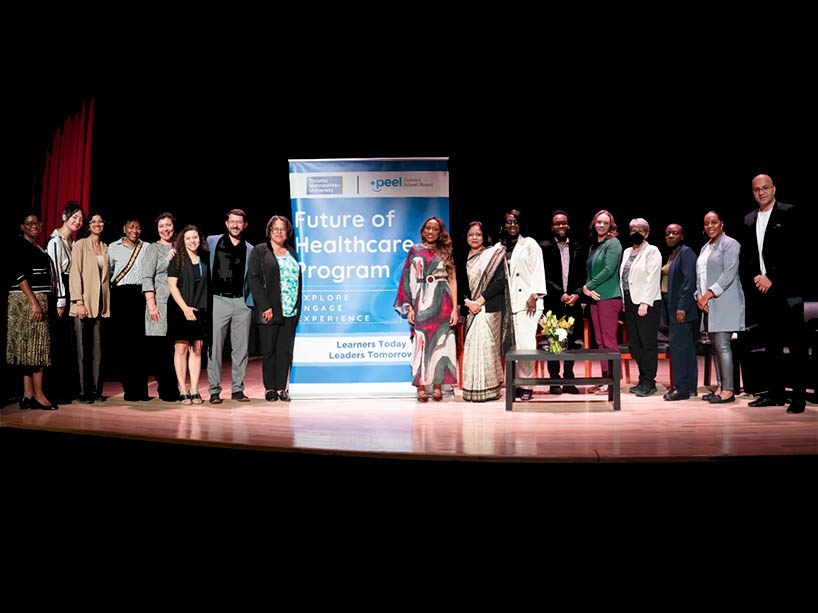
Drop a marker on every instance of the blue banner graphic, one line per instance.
(355, 221)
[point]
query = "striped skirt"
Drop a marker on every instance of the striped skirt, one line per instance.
(482, 366)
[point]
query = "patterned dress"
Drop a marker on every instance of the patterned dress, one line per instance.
(424, 285)
(289, 284)
(155, 279)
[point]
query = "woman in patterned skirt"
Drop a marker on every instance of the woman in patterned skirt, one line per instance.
(32, 304)
(426, 295)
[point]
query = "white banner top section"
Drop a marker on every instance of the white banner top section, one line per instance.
(411, 184)
(443, 159)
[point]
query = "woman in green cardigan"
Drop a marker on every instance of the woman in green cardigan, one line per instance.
(602, 284)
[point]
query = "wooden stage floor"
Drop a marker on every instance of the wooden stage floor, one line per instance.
(580, 428)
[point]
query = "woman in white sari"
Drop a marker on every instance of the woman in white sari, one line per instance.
(484, 288)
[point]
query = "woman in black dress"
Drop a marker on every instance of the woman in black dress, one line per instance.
(187, 313)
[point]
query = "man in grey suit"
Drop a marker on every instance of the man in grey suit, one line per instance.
(229, 256)
(774, 276)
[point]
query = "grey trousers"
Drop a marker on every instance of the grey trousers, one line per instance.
(723, 359)
(234, 314)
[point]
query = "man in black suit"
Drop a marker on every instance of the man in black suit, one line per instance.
(682, 314)
(773, 276)
(564, 278)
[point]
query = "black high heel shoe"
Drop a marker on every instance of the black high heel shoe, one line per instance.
(25, 403)
(35, 404)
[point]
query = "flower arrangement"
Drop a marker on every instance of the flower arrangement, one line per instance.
(556, 330)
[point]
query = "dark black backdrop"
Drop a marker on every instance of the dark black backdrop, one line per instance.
(637, 145)
(550, 113)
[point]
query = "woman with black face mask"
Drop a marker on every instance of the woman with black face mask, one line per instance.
(640, 275)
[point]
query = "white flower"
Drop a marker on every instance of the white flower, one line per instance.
(561, 334)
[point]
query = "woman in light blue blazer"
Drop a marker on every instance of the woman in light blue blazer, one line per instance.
(721, 300)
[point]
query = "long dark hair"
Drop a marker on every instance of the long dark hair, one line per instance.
(179, 244)
(443, 247)
(85, 229)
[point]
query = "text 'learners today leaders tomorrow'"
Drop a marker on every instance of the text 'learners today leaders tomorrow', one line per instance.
(355, 221)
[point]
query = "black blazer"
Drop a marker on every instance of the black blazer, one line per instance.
(681, 285)
(264, 279)
(553, 269)
(782, 252)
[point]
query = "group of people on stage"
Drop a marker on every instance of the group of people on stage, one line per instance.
(171, 299)
(502, 289)
(167, 301)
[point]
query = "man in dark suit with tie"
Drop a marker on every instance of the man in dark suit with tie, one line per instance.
(772, 276)
(682, 315)
(564, 278)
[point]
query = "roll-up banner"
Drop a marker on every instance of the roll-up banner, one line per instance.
(355, 220)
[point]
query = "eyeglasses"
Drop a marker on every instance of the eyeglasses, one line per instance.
(31, 224)
(560, 223)
(672, 233)
(512, 222)
(475, 236)
(98, 221)
(763, 188)
(278, 230)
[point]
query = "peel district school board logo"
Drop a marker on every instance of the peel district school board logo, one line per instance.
(377, 185)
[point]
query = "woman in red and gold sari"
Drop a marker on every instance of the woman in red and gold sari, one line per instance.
(426, 295)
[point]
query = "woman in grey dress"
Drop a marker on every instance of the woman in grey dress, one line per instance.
(721, 300)
(155, 288)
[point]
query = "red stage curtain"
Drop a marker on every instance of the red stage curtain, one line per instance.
(67, 174)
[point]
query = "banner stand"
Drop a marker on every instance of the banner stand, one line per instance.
(355, 220)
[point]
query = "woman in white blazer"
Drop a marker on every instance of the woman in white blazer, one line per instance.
(640, 277)
(526, 285)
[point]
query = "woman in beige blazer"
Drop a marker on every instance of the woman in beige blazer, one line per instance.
(89, 284)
